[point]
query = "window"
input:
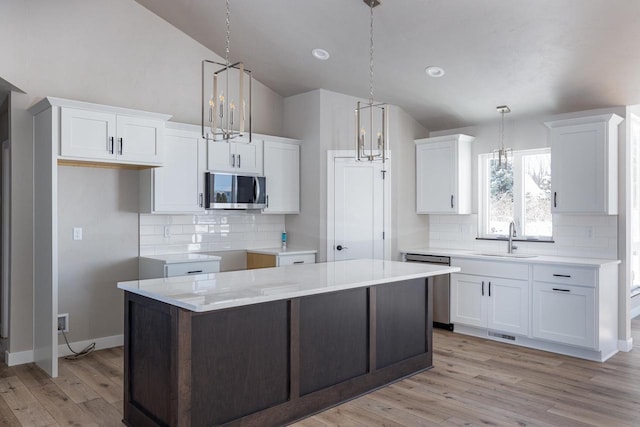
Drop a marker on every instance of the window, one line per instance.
(518, 192)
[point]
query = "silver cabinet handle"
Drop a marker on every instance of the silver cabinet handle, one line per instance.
(483, 288)
(555, 199)
(121, 146)
(233, 160)
(201, 200)
(561, 290)
(110, 145)
(452, 201)
(267, 197)
(489, 288)
(239, 160)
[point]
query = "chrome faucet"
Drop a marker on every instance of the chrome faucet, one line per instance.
(512, 234)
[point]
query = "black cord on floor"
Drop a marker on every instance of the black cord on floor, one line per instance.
(78, 354)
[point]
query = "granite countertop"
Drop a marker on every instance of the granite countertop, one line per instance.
(516, 257)
(281, 252)
(208, 292)
(178, 258)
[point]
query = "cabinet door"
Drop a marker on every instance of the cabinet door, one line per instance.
(579, 186)
(508, 305)
(219, 156)
(565, 314)
(87, 134)
(139, 140)
(177, 184)
(468, 304)
(249, 157)
(436, 175)
(282, 172)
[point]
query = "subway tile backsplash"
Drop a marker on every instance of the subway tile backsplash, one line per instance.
(591, 236)
(211, 231)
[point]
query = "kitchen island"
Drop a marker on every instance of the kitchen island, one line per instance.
(266, 347)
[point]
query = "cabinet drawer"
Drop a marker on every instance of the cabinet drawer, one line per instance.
(296, 259)
(562, 274)
(188, 268)
(509, 270)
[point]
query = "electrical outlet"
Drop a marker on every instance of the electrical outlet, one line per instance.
(77, 233)
(63, 322)
(166, 231)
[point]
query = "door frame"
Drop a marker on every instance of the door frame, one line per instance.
(332, 155)
(5, 251)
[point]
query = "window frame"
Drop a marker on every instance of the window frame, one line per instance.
(518, 196)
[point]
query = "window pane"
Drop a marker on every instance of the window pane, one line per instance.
(500, 197)
(537, 195)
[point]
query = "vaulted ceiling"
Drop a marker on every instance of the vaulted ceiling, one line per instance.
(538, 57)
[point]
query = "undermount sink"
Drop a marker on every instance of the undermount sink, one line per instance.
(506, 255)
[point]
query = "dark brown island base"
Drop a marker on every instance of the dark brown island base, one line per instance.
(271, 363)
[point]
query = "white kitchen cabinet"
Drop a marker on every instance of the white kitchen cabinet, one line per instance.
(101, 134)
(494, 303)
(156, 267)
(564, 314)
(584, 165)
(282, 172)
(443, 175)
(177, 186)
(265, 258)
(235, 156)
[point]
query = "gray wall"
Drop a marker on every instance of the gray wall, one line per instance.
(324, 120)
(109, 52)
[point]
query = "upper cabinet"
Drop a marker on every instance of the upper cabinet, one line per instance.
(443, 175)
(282, 172)
(177, 186)
(103, 134)
(235, 156)
(584, 165)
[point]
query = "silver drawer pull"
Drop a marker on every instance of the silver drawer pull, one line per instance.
(562, 275)
(298, 262)
(194, 271)
(561, 290)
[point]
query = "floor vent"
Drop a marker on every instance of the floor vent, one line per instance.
(502, 336)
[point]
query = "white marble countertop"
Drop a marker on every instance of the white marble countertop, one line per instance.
(178, 258)
(208, 292)
(516, 257)
(283, 252)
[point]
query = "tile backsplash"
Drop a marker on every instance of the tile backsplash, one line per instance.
(592, 236)
(211, 231)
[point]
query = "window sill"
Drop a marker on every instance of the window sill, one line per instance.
(504, 239)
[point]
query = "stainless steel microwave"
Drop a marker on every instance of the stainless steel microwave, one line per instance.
(229, 191)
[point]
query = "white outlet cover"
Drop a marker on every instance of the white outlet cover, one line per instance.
(77, 233)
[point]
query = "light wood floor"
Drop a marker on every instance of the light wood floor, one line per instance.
(474, 382)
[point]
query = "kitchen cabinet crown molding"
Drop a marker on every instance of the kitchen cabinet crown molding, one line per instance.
(611, 119)
(461, 137)
(49, 101)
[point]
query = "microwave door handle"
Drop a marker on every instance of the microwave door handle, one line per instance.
(256, 190)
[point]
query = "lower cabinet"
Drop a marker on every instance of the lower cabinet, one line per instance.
(262, 259)
(490, 302)
(564, 314)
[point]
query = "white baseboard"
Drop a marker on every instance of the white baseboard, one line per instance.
(18, 357)
(22, 357)
(625, 345)
(101, 344)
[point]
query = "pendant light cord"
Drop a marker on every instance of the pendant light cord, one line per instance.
(228, 35)
(370, 55)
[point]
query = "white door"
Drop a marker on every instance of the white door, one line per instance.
(508, 305)
(469, 300)
(139, 140)
(282, 171)
(436, 177)
(358, 210)
(249, 157)
(87, 134)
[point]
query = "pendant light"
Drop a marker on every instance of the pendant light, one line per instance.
(371, 126)
(502, 153)
(228, 105)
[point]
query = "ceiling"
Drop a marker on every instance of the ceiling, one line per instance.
(538, 57)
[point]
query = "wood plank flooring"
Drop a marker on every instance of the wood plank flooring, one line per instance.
(474, 382)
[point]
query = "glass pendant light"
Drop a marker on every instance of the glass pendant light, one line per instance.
(226, 107)
(371, 117)
(502, 154)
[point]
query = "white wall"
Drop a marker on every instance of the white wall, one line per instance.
(325, 121)
(116, 53)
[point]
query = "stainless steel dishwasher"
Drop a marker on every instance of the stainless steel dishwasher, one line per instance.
(441, 291)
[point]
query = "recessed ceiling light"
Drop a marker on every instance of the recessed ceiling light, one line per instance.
(320, 54)
(434, 71)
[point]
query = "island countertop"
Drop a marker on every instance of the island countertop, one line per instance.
(209, 292)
